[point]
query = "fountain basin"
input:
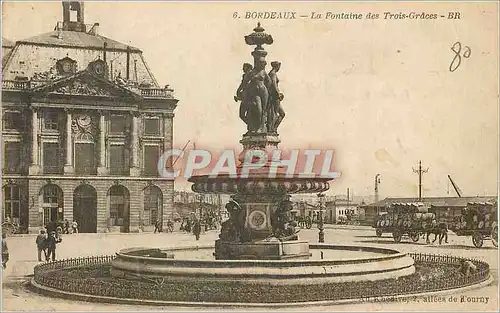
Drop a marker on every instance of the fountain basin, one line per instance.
(370, 264)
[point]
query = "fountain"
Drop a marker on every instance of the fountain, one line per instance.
(258, 255)
(259, 242)
(260, 226)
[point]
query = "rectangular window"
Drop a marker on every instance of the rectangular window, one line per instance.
(12, 157)
(151, 157)
(117, 209)
(117, 160)
(151, 206)
(12, 203)
(13, 121)
(152, 127)
(117, 124)
(51, 156)
(51, 120)
(85, 158)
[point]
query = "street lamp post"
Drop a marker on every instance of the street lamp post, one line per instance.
(321, 234)
(377, 182)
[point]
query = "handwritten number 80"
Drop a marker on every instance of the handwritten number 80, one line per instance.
(457, 60)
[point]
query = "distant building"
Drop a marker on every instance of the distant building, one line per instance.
(452, 205)
(338, 209)
(84, 123)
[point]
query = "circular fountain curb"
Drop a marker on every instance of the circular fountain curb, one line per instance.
(114, 300)
(131, 263)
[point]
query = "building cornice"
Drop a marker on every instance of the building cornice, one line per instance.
(89, 178)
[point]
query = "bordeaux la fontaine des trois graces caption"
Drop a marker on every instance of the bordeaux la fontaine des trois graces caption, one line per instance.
(292, 15)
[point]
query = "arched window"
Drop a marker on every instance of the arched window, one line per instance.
(153, 200)
(118, 206)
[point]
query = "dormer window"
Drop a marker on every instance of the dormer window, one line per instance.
(66, 66)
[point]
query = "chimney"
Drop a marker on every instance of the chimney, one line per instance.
(68, 24)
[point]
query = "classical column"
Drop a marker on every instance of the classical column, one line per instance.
(102, 169)
(34, 167)
(134, 142)
(68, 166)
(167, 135)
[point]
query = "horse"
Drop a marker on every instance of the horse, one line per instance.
(440, 229)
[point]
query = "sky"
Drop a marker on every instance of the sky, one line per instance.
(378, 92)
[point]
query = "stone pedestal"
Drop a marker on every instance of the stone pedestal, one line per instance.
(262, 250)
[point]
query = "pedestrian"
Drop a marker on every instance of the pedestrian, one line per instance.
(5, 251)
(66, 226)
(197, 229)
(170, 225)
(40, 244)
(74, 227)
(467, 268)
(157, 226)
(51, 226)
(50, 243)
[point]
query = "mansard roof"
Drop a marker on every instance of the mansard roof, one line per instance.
(72, 39)
(7, 43)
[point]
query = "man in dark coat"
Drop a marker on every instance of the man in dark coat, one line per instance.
(157, 226)
(50, 244)
(197, 229)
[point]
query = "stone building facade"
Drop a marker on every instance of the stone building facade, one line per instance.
(84, 123)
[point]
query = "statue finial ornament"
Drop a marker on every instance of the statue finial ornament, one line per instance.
(258, 91)
(258, 38)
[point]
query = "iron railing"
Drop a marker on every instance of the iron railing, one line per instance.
(164, 93)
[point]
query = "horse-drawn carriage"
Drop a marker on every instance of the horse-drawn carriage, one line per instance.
(352, 218)
(480, 221)
(411, 220)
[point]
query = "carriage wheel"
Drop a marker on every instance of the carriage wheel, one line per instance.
(494, 236)
(397, 236)
(414, 236)
(477, 239)
(379, 232)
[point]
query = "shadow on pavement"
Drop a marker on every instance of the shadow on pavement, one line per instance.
(392, 242)
(447, 246)
(374, 236)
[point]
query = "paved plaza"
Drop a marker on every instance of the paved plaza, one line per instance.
(23, 256)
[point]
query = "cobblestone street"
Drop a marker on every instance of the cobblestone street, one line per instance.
(23, 256)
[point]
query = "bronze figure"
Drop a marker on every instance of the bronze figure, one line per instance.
(275, 110)
(241, 92)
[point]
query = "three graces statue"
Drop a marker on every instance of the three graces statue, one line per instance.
(259, 92)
